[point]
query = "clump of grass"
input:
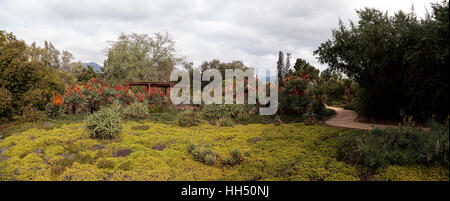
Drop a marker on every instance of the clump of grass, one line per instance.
(136, 111)
(310, 118)
(277, 120)
(60, 165)
(187, 118)
(208, 157)
(243, 117)
(225, 122)
(126, 166)
(104, 163)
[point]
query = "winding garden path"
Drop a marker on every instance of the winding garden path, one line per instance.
(346, 119)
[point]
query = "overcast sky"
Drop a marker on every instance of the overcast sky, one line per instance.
(252, 31)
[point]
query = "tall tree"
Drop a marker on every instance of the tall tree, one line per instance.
(304, 67)
(139, 57)
(66, 60)
(399, 62)
(221, 66)
(280, 67)
(288, 64)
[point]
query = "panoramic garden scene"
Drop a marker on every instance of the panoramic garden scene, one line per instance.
(377, 111)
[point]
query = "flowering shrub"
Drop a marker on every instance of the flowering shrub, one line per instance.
(92, 95)
(294, 98)
(56, 107)
(74, 100)
(123, 94)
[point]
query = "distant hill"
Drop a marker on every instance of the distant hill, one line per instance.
(93, 64)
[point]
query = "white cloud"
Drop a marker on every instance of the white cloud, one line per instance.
(253, 31)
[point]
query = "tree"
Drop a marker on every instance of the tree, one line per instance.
(139, 57)
(19, 76)
(83, 74)
(280, 67)
(221, 66)
(288, 65)
(51, 55)
(399, 62)
(302, 66)
(66, 60)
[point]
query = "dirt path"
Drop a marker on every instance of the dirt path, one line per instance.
(346, 119)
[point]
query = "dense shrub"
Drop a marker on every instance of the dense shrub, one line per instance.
(187, 118)
(35, 98)
(136, 111)
(334, 88)
(104, 124)
(217, 111)
(397, 146)
(29, 114)
(93, 94)
(28, 79)
(400, 62)
(293, 97)
(5, 102)
(317, 106)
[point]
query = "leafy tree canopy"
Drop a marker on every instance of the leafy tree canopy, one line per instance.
(140, 57)
(400, 62)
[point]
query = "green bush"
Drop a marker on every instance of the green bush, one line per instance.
(225, 122)
(29, 114)
(104, 124)
(35, 98)
(54, 111)
(397, 146)
(5, 102)
(136, 111)
(293, 98)
(187, 118)
(216, 111)
(317, 106)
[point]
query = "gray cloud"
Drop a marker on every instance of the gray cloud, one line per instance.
(253, 31)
